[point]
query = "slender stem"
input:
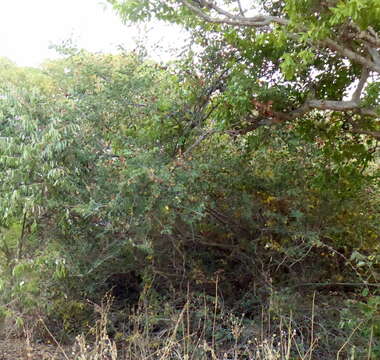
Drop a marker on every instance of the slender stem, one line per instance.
(22, 236)
(312, 327)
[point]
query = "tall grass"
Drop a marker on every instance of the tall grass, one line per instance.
(186, 339)
(195, 330)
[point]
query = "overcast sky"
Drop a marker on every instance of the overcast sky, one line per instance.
(28, 27)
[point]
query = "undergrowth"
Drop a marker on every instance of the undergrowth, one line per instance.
(201, 327)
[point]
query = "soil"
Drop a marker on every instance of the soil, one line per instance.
(18, 349)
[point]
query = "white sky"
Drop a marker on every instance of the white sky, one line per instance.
(28, 27)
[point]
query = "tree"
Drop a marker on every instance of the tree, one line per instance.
(301, 59)
(89, 169)
(113, 164)
(77, 148)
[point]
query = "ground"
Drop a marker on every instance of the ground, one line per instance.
(19, 349)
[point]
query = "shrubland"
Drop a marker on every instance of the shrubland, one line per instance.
(225, 203)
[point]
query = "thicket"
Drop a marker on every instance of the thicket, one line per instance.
(126, 177)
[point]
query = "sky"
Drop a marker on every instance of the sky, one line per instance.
(29, 27)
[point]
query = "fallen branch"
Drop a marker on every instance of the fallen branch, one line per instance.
(334, 285)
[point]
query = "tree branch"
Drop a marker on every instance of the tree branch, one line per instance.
(328, 285)
(22, 237)
(374, 54)
(332, 105)
(230, 19)
(370, 36)
(369, 62)
(265, 20)
(374, 134)
(363, 79)
(338, 106)
(203, 136)
(350, 54)
(240, 8)
(275, 117)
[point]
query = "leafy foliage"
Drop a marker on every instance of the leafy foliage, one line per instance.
(294, 57)
(241, 165)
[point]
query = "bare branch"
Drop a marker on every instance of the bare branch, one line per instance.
(370, 36)
(240, 8)
(230, 19)
(374, 54)
(341, 106)
(350, 54)
(274, 117)
(279, 117)
(375, 134)
(372, 31)
(201, 138)
(363, 79)
(255, 124)
(374, 41)
(219, 10)
(331, 105)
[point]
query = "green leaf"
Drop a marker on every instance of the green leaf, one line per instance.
(288, 66)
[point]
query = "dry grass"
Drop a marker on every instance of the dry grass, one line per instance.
(191, 332)
(184, 341)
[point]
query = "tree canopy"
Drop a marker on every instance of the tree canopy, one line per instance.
(247, 170)
(289, 59)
